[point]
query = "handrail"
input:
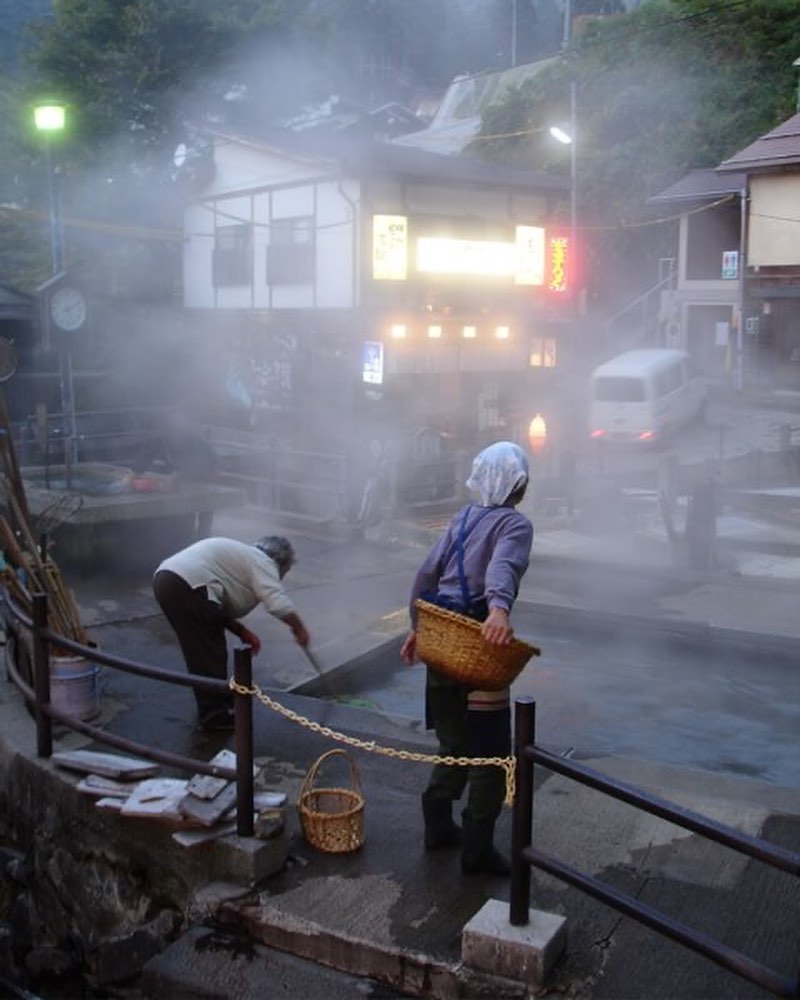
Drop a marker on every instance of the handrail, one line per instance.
(44, 712)
(524, 856)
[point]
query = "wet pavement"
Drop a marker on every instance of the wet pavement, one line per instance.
(390, 915)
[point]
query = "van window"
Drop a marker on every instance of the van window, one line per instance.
(619, 390)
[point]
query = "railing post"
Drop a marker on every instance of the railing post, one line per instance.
(243, 741)
(522, 817)
(41, 676)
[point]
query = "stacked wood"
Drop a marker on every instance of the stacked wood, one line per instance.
(27, 570)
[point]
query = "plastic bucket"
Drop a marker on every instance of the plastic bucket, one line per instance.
(74, 686)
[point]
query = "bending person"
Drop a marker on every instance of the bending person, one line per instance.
(205, 589)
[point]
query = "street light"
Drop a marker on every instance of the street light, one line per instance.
(50, 120)
(569, 139)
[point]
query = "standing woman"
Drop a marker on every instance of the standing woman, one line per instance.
(475, 568)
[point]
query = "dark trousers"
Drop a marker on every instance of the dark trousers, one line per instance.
(199, 625)
(464, 733)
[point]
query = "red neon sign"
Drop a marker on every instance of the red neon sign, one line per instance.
(559, 264)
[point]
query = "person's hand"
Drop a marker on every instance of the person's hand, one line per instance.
(250, 639)
(299, 630)
(408, 651)
(301, 636)
(497, 628)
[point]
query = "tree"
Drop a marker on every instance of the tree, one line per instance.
(671, 86)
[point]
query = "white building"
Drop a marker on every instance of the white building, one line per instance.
(371, 284)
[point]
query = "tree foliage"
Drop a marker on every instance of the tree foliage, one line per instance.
(671, 86)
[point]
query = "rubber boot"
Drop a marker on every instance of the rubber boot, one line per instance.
(479, 856)
(440, 828)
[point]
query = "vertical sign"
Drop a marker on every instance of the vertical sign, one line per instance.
(730, 265)
(389, 247)
(558, 264)
(372, 363)
(529, 245)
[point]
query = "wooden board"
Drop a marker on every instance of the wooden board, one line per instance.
(268, 800)
(96, 784)
(110, 803)
(107, 764)
(205, 812)
(205, 786)
(193, 838)
(156, 798)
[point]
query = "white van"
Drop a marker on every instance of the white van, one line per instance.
(643, 395)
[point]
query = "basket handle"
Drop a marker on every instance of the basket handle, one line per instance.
(308, 781)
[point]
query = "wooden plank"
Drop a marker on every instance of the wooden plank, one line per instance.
(110, 803)
(107, 764)
(193, 838)
(206, 786)
(269, 800)
(156, 798)
(96, 784)
(207, 813)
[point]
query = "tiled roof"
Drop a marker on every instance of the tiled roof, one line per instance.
(702, 185)
(778, 148)
(367, 158)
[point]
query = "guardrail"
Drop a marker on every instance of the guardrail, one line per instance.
(525, 856)
(37, 695)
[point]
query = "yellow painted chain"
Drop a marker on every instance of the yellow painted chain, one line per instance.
(507, 763)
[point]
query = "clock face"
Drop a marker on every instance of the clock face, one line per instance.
(68, 308)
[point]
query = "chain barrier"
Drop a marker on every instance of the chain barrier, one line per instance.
(370, 746)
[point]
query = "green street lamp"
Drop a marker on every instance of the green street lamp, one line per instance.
(50, 120)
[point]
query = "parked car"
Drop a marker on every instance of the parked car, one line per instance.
(644, 395)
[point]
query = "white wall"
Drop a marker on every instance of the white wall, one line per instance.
(256, 186)
(774, 221)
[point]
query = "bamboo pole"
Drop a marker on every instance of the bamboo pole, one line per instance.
(44, 573)
(12, 471)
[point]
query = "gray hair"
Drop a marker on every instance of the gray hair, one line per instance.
(279, 549)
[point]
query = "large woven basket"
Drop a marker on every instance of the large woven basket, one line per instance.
(332, 818)
(452, 644)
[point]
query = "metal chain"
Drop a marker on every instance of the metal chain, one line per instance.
(507, 763)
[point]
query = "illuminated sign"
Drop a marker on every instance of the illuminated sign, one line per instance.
(558, 276)
(523, 259)
(389, 247)
(530, 255)
(372, 362)
(439, 255)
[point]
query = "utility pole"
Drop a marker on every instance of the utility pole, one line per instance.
(567, 37)
(513, 33)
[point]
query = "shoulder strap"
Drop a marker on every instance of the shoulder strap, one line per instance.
(463, 533)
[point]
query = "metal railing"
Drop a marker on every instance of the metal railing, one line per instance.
(37, 695)
(525, 856)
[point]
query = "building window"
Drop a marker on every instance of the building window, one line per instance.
(233, 252)
(290, 253)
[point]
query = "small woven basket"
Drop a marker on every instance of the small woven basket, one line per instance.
(332, 818)
(452, 644)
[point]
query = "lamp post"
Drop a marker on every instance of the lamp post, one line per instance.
(50, 120)
(570, 139)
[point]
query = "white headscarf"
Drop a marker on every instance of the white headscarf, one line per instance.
(497, 471)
